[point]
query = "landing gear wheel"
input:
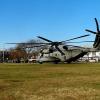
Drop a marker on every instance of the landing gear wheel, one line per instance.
(40, 62)
(56, 62)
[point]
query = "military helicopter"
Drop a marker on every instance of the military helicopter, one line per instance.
(62, 52)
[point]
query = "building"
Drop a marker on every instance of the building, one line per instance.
(91, 57)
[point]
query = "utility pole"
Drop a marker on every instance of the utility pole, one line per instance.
(3, 53)
(3, 56)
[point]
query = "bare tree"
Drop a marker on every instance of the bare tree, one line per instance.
(27, 49)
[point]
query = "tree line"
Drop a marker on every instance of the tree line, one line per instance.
(21, 52)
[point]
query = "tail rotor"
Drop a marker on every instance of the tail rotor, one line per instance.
(97, 38)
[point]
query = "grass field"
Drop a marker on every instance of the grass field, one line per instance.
(50, 81)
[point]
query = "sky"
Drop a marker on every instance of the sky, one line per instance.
(57, 20)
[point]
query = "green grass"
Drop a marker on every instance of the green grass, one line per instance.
(50, 81)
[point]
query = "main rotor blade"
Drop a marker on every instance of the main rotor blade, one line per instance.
(77, 37)
(59, 50)
(80, 42)
(27, 43)
(90, 31)
(97, 25)
(44, 39)
(86, 41)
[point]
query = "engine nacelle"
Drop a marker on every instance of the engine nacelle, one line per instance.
(65, 47)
